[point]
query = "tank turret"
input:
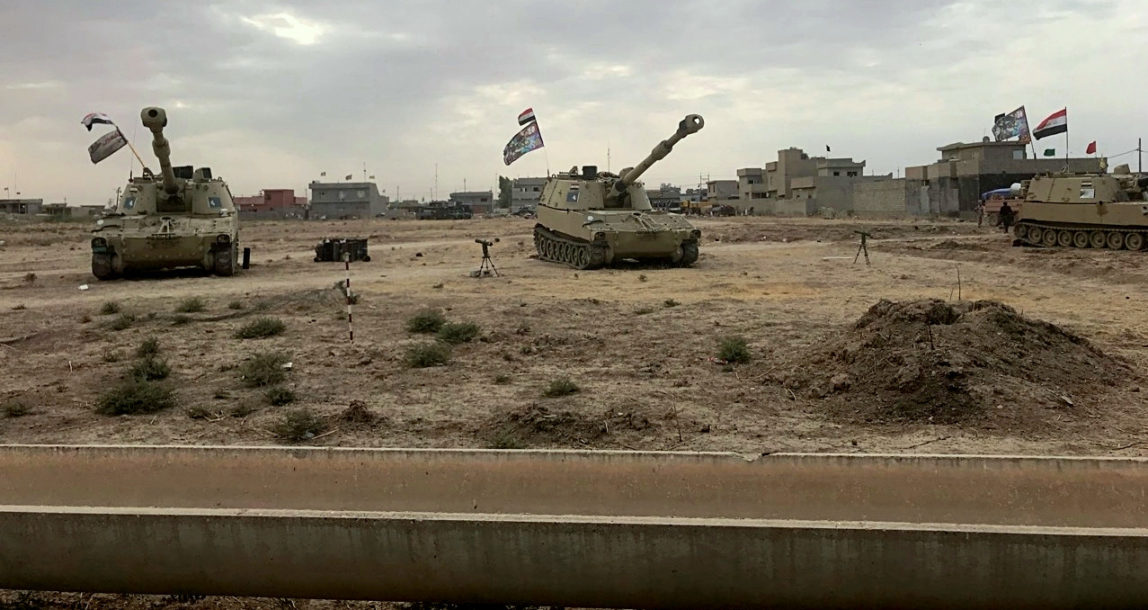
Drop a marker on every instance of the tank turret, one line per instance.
(155, 119)
(587, 218)
(693, 123)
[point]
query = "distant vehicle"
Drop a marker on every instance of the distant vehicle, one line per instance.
(444, 211)
(994, 199)
(588, 219)
(1085, 211)
(181, 218)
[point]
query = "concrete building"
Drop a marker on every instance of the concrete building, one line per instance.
(721, 190)
(330, 200)
(21, 206)
(953, 185)
(272, 203)
(525, 192)
(480, 202)
(818, 182)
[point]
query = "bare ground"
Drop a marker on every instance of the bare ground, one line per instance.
(638, 341)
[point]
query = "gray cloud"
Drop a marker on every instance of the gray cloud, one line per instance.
(272, 93)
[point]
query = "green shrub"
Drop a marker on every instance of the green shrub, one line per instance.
(242, 409)
(201, 413)
(264, 369)
(299, 425)
(427, 321)
(235, 305)
(148, 349)
(122, 321)
(14, 409)
(427, 354)
(133, 397)
(109, 308)
(150, 369)
(560, 387)
(733, 349)
(671, 303)
(502, 379)
(191, 305)
(279, 396)
(261, 328)
(458, 332)
(180, 320)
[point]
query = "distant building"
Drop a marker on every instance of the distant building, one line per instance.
(21, 206)
(480, 202)
(272, 203)
(721, 190)
(525, 192)
(330, 200)
(816, 182)
(953, 185)
(407, 208)
(665, 197)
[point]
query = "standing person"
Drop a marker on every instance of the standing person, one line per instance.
(1006, 216)
(980, 213)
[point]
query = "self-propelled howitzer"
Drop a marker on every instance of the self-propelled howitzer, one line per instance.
(182, 218)
(588, 219)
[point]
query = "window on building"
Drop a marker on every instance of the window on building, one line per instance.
(836, 173)
(361, 193)
(853, 174)
(342, 195)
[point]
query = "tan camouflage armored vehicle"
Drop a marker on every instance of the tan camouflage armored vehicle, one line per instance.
(181, 218)
(1085, 211)
(589, 219)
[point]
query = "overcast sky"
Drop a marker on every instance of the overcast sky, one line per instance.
(270, 94)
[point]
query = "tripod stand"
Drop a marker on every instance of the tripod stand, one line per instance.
(487, 266)
(864, 247)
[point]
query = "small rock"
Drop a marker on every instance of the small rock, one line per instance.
(840, 382)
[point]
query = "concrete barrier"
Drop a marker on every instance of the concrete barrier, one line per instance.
(590, 529)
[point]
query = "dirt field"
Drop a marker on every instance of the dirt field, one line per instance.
(639, 342)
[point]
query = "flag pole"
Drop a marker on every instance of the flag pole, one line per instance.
(1067, 166)
(133, 148)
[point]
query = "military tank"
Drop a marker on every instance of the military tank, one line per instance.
(589, 219)
(1085, 211)
(183, 217)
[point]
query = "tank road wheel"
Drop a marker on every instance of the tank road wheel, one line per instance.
(582, 257)
(102, 266)
(1115, 240)
(1021, 232)
(1134, 241)
(689, 254)
(225, 262)
(1034, 235)
(1080, 239)
(1049, 238)
(1097, 239)
(1064, 238)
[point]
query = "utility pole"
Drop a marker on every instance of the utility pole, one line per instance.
(1139, 156)
(435, 195)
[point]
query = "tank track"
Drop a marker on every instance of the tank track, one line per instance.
(1051, 235)
(558, 248)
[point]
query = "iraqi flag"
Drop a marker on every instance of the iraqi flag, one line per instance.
(93, 118)
(527, 116)
(107, 145)
(1056, 122)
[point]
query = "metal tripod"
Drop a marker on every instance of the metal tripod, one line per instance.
(863, 247)
(487, 265)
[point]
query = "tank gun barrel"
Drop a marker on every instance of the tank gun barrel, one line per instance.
(155, 119)
(693, 123)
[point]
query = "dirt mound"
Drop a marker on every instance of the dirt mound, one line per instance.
(538, 426)
(952, 363)
(952, 244)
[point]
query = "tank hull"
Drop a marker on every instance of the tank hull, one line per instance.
(156, 244)
(1110, 216)
(588, 239)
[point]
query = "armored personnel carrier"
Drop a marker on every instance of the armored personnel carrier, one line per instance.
(182, 218)
(1085, 211)
(589, 219)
